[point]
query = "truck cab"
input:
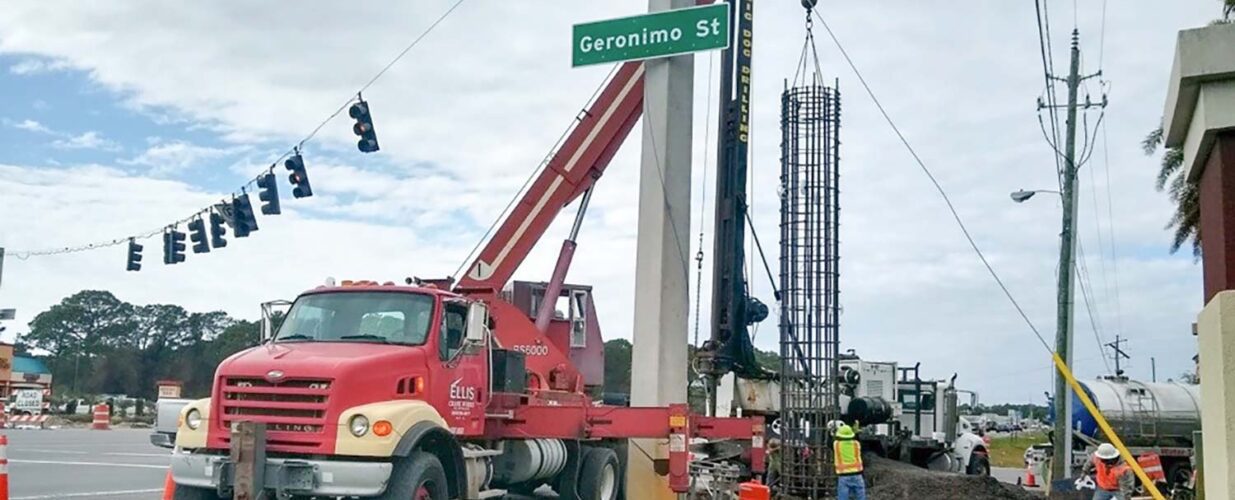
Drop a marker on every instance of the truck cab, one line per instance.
(346, 377)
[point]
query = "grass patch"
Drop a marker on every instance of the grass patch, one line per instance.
(1009, 451)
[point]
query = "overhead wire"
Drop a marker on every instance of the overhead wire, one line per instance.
(25, 254)
(703, 203)
(1086, 285)
(938, 187)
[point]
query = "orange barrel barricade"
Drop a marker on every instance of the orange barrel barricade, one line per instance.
(1151, 463)
(102, 418)
(4, 467)
(753, 490)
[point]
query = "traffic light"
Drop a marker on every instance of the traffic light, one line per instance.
(270, 193)
(173, 247)
(135, 256)
(363, 127)
(217, 231)
(197, 233)
(298, 177)
(243, 220)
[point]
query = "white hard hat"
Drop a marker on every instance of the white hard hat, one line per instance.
(1107, 451)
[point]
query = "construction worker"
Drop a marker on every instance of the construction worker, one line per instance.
(1113, 478)
(847, 453)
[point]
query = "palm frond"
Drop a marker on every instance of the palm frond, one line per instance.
(1172, 159)
(1151, 142)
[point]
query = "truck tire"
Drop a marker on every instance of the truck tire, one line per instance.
(599, 475)
(419, 476)
(191, 493)
(979, 465)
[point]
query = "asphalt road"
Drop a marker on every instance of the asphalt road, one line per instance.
(118, 464)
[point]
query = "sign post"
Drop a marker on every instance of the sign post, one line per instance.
(647, 36)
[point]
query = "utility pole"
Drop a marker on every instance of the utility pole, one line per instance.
(1061, 459)
(1153, 370)
(1119, 354)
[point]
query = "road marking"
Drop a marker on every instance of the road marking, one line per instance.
(119, 454)
(166, 455)
(100, 464)
(66, 452)
(86, 495)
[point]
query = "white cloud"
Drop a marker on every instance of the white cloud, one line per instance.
(86, 140)
(168, 157)
(481, 99)
(31, 126)
(37, 66)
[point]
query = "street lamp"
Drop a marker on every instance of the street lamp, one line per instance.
(1061, 464)
(1021, 195)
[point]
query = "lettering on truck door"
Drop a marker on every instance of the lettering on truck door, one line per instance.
(461, 381)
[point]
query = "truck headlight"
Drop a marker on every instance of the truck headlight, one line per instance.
(359, 425)
(193, 419)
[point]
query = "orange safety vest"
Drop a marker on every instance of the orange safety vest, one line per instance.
(848, 456)
(1107, 476)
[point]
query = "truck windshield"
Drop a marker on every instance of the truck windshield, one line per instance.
(384, 317)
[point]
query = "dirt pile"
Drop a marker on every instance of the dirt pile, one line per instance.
(892, 480)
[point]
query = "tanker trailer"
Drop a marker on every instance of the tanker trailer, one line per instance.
(1156, 417)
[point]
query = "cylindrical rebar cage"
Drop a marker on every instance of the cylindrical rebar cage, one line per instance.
(809, 274)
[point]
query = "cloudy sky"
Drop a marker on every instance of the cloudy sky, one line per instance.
(119, 118)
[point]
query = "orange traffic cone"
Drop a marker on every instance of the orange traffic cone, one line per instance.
(4, 467)
(1030, 480)
(169, 487)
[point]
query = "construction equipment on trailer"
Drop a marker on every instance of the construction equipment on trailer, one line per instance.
(429, 391)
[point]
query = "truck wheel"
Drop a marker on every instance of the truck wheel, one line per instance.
(599, 475)
(191, 493)
(420, 476)
(979, 465)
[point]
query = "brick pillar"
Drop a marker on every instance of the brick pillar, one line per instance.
(1217, 224)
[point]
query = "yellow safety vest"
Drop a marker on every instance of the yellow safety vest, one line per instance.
(848, 455)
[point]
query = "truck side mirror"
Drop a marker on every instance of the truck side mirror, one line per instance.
(273, 313)
(477, 324)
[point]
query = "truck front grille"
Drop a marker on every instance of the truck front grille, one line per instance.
(294, 411)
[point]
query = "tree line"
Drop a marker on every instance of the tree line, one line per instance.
(95, 343)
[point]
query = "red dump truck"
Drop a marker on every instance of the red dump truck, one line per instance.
(432, 389)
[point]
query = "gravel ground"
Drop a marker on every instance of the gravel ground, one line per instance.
(892, 480)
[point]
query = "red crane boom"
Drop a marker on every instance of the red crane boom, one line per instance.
(571, 171)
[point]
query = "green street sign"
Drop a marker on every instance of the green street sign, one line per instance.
(659, 34)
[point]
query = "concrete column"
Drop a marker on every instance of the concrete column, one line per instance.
(1217, 193)
(1200, 119)
(1216, 338)
(658, 361)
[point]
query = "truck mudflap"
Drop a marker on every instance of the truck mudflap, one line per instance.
(285, 476)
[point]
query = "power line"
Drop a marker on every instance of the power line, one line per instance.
(955, 215)
(25, 254)
(1085, 283)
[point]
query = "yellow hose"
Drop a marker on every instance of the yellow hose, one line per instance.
(1106, 427)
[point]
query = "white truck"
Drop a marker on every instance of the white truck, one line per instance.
(898, 414)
